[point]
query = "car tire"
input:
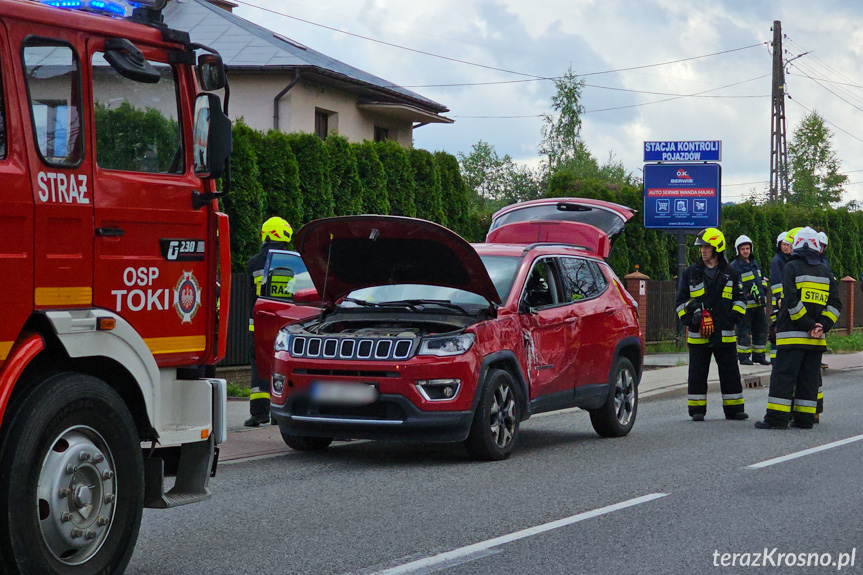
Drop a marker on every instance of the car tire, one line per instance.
(495, 424)
(72, 480)
(617, 416)
(300, 443)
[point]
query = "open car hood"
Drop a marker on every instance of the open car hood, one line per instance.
(368, 251)
(594, 224)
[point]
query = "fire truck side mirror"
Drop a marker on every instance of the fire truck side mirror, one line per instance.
(213, 138)
(211, 72)
(130, 62)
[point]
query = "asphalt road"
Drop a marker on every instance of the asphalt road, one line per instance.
(665, 499)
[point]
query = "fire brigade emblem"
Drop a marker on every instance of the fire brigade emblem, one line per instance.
(187, 297)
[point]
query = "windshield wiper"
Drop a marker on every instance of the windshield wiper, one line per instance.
(437, 302)
(360, 302)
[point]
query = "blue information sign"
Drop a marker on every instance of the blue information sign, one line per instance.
(685, 151)
(682, 196)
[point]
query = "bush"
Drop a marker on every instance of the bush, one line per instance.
(429, 205)
(313, 161)
(244, 204)
(128, 138)
(344, 177)
(401, 188)
(455, 195)
(280, 177)
(373, 179)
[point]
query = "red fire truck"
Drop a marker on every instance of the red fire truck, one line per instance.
(114, 261)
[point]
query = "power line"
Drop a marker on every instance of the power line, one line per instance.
(696, 94)
(534, 76)
(812, 72)
(828, 89)
(826, 120)
(827, 66)
(823, 80)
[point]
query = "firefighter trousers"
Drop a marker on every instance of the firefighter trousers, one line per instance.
(794, 387)
(729, 379)
(259, 399)
(752, 334)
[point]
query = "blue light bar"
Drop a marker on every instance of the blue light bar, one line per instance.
(97, 6)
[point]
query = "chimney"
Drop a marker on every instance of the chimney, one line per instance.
(223, 4)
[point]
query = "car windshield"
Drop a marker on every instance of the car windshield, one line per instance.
(501, 270)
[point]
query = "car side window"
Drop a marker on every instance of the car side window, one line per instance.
(541, 288)
(54, 85)
(601, 281)
(579, 280)
(285, 275)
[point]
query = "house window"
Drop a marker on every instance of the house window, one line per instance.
(322, 121)
(381, 134)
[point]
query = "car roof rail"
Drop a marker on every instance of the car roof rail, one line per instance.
(529, 247)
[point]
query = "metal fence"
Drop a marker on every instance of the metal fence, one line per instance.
(239, 344)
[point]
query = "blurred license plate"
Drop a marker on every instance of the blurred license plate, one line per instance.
(343, 393)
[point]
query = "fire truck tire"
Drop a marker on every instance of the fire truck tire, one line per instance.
(300, 443)
(495, 424)
(617, 416)
(72, 480)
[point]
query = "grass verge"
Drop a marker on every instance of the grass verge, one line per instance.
(235, 390)
(841, 343)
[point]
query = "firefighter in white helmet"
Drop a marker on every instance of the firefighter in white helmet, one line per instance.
(777, 265)
(752, 330)
(809, 309)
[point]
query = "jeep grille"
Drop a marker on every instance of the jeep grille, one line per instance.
(378, 349)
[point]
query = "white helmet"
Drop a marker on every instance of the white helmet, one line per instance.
(742, 240)
(822, 239)
(782, 238)
(806, 239)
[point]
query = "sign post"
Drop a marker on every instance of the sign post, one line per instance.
(682, 197)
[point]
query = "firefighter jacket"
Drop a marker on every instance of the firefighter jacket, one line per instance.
(776, 268)
(811, 295)
(754, 283)
(255, 269)
(722, 297)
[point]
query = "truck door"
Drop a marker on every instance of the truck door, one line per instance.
(16, 209)
(150, 244)
(60, 164)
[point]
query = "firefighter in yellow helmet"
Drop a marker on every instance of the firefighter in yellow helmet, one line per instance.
(809, 309)
(710, 303)
(275, 234)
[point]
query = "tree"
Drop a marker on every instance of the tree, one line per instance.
(429, 202)
(485, 172)
(344, 177)
(372, 178)
(245, 202)
(561, 129)
(815, 177)
(455, 194)
(401, 188)
(280, 177)
(313, 160)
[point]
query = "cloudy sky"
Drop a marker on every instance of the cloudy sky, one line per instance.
(544, 37)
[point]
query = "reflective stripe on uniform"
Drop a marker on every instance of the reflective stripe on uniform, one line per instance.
(743, 348)
(748, 276)
(696, 400)
(773, 353)
(728, 336)
(739, 307)
(695, 337)
(831, 312)
(752, 304)
(256, 279)
(811, 279)
(820, 395)
(779, 404)
(805, 405)
(251, 324)
(799, 338)
(681, 310)
(757, 349)
(776, 288)
(797, 311)
(732, 399)
(261, 395)
(697, 290)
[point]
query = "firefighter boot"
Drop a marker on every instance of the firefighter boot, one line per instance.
(760, 359)
(744, 359)
(257, 420)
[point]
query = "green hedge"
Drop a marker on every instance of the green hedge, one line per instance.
(429, 204)
(245, 202)
(401, 188)
(455, 195)
(313, 160)
(344, 176)
(280, 177)
(373, 179)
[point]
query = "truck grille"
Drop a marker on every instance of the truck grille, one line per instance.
(379, 349)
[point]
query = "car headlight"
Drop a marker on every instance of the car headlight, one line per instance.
(448, 345)
(282, 340)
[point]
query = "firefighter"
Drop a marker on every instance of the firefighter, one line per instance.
(809, 309)
(783, 252)
(822, 242)
(709, 303)
(752, 331)
(275, 234)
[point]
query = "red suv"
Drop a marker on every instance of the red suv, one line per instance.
(423, 336)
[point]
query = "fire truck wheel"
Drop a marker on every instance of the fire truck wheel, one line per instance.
(617, 416)
(73, 482)
(495, 423)
(300, 443)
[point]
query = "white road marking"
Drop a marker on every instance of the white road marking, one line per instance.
(805, 452)
(456, 554)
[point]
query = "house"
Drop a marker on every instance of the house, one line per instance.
(282, 84)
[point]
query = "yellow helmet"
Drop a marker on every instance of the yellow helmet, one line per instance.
(711, 237)
(276, 229)
(791, 233)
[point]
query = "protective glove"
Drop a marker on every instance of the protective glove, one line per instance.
(771, 334)
(695, 322)
(706, 324)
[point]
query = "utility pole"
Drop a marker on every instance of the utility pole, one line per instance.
(778, 142)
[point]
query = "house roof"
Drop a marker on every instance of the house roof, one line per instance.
(245, 46)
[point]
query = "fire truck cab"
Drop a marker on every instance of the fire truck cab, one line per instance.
(114, 260)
